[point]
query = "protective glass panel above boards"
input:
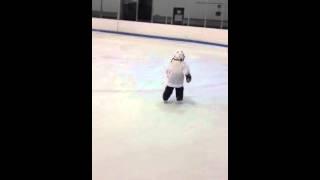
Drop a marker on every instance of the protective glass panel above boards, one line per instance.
(198, 13)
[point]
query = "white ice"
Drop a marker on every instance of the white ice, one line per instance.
(138, 137)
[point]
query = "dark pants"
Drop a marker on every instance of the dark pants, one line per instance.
(168, 91)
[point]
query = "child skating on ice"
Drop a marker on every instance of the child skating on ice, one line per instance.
(175, 73)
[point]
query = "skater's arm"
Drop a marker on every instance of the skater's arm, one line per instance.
(167, 73)
(186, 69)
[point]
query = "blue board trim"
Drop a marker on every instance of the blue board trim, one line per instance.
(160, 37)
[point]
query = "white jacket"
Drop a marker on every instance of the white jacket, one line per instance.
(176, 72)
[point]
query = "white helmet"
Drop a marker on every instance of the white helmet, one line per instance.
(179, 56)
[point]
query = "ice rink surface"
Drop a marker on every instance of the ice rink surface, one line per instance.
(138, 137)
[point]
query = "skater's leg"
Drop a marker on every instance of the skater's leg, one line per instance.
(179, 94)
(167, 93)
